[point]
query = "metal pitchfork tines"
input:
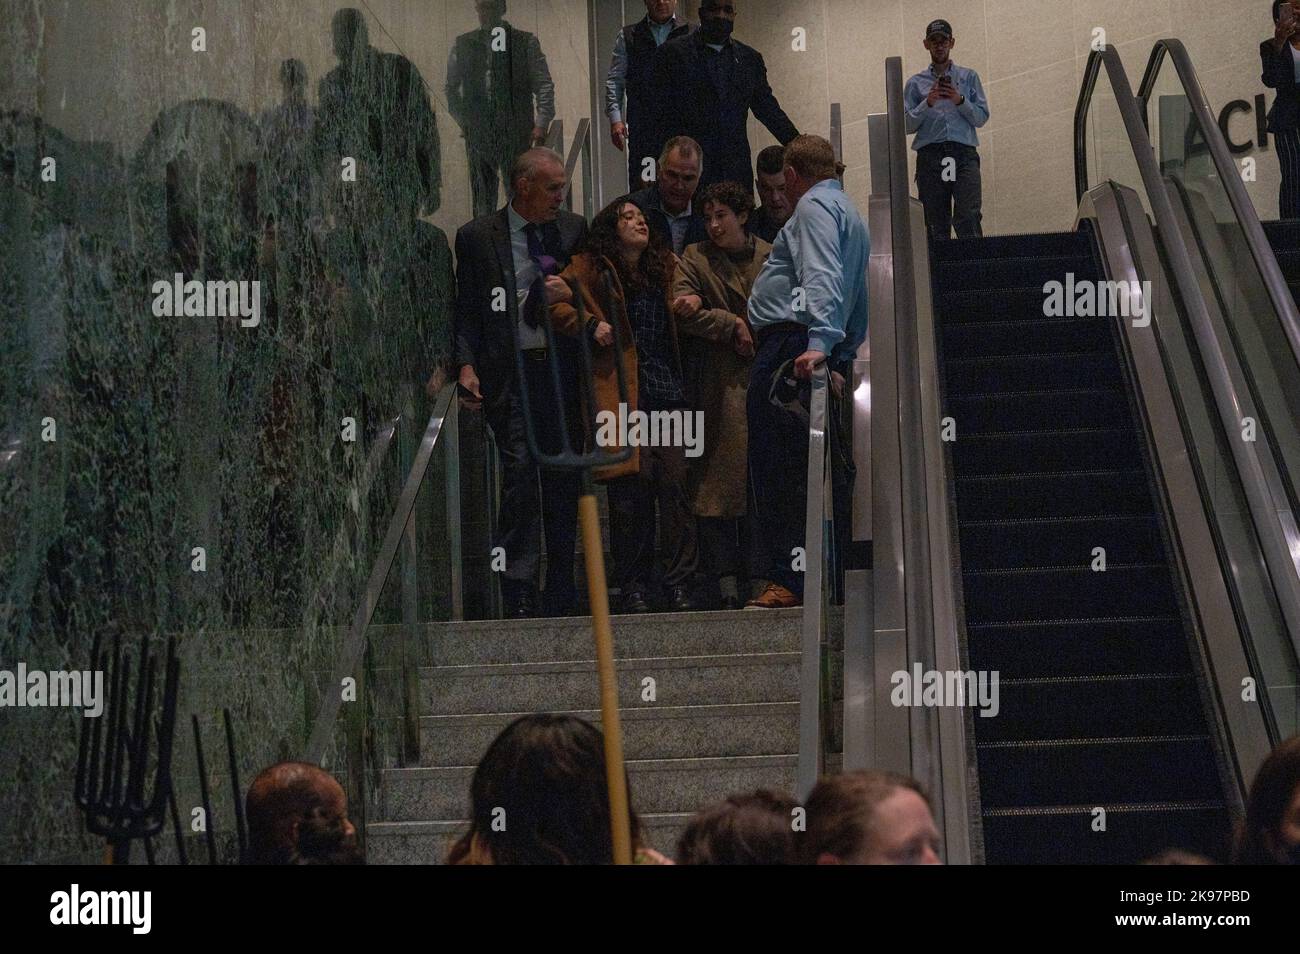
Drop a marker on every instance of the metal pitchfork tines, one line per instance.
(113, 757)
(574, 456)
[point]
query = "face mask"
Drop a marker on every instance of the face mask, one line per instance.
(716, 29)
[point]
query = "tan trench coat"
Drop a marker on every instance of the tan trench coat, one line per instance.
(716, 378)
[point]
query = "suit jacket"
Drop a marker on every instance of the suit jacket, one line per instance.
(651, 205)
(1279, 74)
(718, 123)
(485, 338)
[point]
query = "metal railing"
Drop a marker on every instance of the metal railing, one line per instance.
(1222, 373)
(904, 611)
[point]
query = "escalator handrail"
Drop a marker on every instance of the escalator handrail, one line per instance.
(1228, 398)
(1260, 248)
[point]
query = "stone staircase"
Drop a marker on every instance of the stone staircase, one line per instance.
(724, 717)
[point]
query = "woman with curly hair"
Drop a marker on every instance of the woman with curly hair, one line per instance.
(1271, 834)
(624, 277)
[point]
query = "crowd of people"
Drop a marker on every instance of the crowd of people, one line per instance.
(539, 796)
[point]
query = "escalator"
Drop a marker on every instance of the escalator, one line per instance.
(1099, 700)
(1098, 506)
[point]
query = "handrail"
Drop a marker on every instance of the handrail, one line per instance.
(1257, 472)
(817, 539)
(444, 413)
(1260, 248)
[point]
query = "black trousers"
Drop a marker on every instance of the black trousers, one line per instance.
(633, 498)
(534, 499)
(1288, 158)
(778, 459)
(950, 191)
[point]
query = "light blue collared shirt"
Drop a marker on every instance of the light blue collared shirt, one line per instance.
(616, 78)
(525, 274)
(824, 249)
(944, 122)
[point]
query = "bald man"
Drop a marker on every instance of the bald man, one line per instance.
(297, 813)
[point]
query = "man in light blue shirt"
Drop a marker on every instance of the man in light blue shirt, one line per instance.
(945, 104)
(631, 73)
(808, 306)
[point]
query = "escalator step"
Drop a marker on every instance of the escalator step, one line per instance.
(982, 339)
(1090, 646)
(1012, 246)
(1002, 544)
(958, 305)
(1039, 372)
(1091, 706)
(1032, 271)
(1039, 410)
(1076, 493)
(1133, 833)
(1097, 771)
(1007, 596)
(1045, 451)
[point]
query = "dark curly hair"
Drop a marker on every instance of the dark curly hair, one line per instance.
(731, 194)
(539, 797)
(656, 265)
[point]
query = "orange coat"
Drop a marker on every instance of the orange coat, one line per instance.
(586, 270)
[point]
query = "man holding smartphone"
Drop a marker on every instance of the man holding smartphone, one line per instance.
(945, 104)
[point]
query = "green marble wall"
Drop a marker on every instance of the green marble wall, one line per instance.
(171, 433)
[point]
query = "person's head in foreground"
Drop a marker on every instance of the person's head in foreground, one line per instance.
(539, 797)
(808, 160)
(869, 818)
(297, 813)
(1271, 834)
(755, 829)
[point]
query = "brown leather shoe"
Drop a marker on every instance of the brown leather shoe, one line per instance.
(774, 596)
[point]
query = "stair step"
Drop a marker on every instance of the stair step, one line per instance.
(1090, 706)
(1036, 372)
(488, 642)
(1133, 833)
(765, 728)
(1097, 771)
(1045, 451)
(1078, 493)
(427, 843)
(999, 596)
(1039, 411)
(678, 681)
(1079, 647)
(1026, 336)
(1056, 542)
(657, 785)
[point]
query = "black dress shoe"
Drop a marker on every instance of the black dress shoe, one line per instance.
(634, 602)
(731, 602)
(679, 600)
(524, 607)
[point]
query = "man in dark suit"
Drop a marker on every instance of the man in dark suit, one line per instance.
(507, 266)
(1279, 56)
(716, 82)
(668, 204)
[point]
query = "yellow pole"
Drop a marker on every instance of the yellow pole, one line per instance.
(594, 558)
